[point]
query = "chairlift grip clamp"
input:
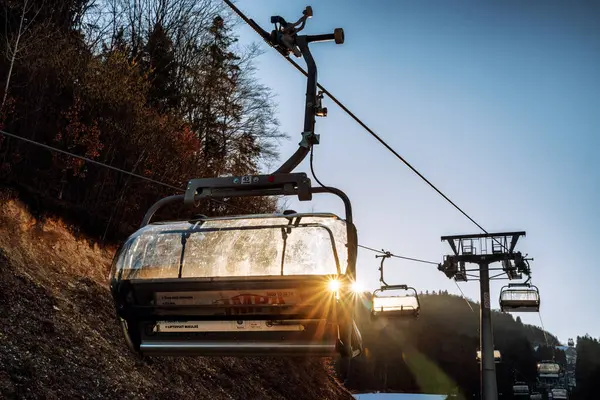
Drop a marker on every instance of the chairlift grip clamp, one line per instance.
(309, 139)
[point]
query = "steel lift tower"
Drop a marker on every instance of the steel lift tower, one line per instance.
(483, 250)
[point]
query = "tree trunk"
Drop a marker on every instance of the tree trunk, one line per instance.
(13, 56)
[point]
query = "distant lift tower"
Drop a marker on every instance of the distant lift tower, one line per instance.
(483, 250)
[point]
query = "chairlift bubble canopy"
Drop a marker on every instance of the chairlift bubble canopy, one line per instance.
(237, 246)
(519, 297)
(253, 285)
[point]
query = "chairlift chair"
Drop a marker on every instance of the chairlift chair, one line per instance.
(548, 368)
(497, 356)
(519, 297)
(559, 393)
(249, 285)
(406, 305)
(520, 389)
(275, 284)
(394, 306)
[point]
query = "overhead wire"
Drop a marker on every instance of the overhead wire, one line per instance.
(337, 102)
(145, 178)
(421, 261)
(101, 164)
(543, 329)
(397, 256)
(312, 169)
(253, 25)
(463, 295)
(325, 91)
(86, 159)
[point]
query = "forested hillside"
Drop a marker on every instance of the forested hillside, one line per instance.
(437, 352)
(161, 89)
(158, 88)
(587, 368)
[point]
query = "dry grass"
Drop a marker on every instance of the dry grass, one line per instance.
(59, 337)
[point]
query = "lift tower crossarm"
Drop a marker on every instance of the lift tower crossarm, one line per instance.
(486, 258)
(484, 235)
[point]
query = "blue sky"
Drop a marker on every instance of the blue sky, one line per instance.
(497, 103)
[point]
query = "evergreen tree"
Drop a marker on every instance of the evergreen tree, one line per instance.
(217, 93)
(160, 66)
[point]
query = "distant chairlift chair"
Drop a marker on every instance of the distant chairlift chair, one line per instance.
(548, 368)
(520, 390)
(394, 307)
(519, 297)
(497, 356)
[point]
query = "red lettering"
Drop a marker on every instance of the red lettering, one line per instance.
(252, 299)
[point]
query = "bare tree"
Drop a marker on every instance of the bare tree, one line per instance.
(15, 40)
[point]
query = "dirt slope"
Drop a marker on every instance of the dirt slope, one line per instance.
(59, 339)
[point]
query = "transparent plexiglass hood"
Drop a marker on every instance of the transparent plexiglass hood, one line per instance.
(308, 244)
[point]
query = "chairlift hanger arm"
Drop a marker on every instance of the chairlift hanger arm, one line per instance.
(285, 39)
(184, 237)
(284, 236)
(383, 257)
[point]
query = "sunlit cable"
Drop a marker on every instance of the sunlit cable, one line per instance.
(396, 256)
(86, 159)
(463, 296)
(359, 121)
